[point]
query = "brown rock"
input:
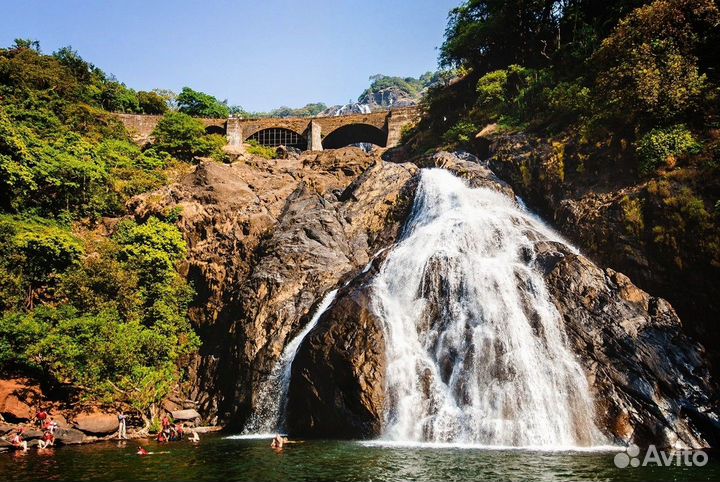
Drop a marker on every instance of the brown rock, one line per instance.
(338, 374)
(17, 398)
(651, 383)
(266, 238)
(70, 436)
(96, 422)
(187, 414)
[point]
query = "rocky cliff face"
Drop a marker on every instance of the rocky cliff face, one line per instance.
(656, 230)
(651, 383)
(269, 238)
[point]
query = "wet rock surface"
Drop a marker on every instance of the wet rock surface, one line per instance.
(650, 382)
(267, 238)
(338, 375)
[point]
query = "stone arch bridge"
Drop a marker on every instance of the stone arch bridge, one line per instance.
(382, 128)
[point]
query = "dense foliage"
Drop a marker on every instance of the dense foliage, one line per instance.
(200, 104)
(614, 69)
(87, 303)
(183, 137)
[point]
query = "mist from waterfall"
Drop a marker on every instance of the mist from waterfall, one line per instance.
(269, 414)
(476, 350)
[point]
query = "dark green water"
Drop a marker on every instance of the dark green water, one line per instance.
(220, 459)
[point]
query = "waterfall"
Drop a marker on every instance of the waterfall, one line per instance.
(476, 350)
(269, 415)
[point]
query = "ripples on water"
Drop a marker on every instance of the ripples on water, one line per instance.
(223, 459)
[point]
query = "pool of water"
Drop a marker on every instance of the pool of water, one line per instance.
(219, 458)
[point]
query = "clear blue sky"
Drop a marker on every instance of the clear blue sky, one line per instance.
(258, 54)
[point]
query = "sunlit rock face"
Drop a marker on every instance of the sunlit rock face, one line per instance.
(267, 238)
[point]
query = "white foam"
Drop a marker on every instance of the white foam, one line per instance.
(476, 351)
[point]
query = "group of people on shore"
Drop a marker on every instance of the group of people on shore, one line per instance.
(173, 432)
(45, 423)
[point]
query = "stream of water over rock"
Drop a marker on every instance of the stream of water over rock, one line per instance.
(476, 350)
(269, 416)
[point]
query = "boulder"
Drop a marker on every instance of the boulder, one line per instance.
(6, 428)
(337, 381)
(69, 436)
(96, 422)
(187, 414)
(32, 433)
(17, 398)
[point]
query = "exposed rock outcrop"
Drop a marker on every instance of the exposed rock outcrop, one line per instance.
(17, 398)
(96, 422)
(337, 384)
(658, 231)
(267, 238)
(651, 383)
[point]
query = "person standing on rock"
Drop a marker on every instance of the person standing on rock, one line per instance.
(122, 426)
(166, 423)
(40, 418)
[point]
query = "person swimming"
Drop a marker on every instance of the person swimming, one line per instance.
(142, 451)
(278, 441)
(194, 436)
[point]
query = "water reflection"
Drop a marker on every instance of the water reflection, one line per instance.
(219, 458)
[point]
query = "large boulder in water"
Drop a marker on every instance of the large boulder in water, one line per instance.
(338, 374)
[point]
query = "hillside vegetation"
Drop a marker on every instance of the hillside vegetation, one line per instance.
(91, 301)
(624, 97)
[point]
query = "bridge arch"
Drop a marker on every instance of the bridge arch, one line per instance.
(354, 134)
(279, 136)
(215, 130)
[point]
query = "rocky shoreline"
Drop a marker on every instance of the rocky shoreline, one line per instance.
(20, 399)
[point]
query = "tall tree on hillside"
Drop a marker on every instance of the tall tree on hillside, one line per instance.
(491, 34)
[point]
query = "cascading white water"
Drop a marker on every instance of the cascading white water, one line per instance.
(476, 350)
(269, 415)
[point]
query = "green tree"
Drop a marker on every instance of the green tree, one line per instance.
(649, 68)
(184, 137)
(151, 103)
(200, 104)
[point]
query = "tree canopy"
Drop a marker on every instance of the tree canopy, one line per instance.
(200, 104)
